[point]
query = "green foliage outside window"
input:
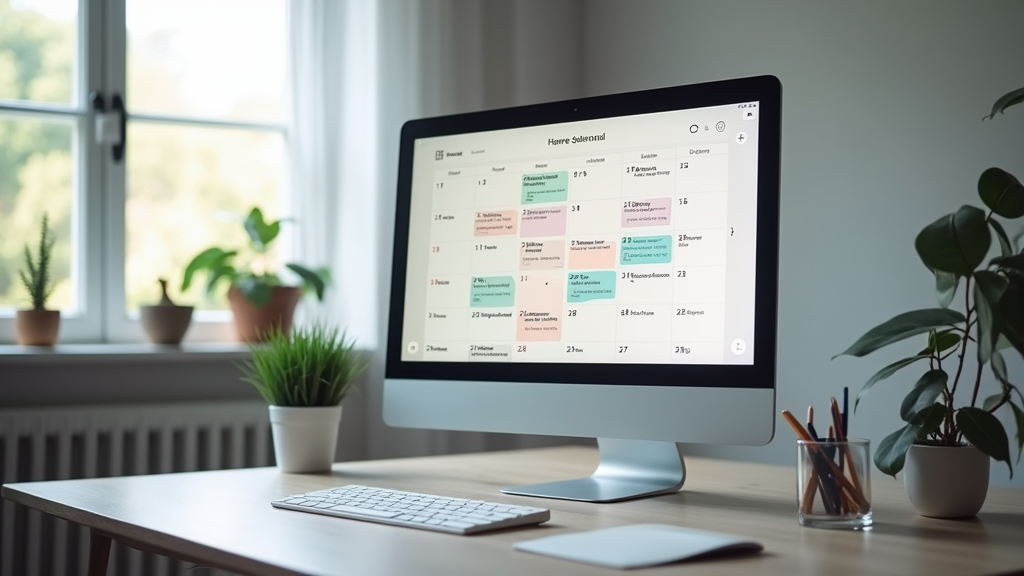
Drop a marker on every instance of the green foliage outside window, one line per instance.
(36, 64)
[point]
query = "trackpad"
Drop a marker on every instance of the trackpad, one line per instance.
(639, 545)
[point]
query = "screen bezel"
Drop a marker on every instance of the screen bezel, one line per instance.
(766, 90)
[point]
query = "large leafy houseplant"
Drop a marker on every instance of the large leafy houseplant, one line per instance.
(253, 276)
(955, 248)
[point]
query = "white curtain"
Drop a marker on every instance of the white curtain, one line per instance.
(360, 69)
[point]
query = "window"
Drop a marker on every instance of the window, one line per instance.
(203, 85)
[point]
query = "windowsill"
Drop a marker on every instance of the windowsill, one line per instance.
(122, 373)
(124, 351)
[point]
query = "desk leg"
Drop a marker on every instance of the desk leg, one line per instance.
(99, 553)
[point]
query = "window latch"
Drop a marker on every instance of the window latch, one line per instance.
(110, 124)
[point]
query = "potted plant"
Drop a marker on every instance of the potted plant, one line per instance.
(165, 322)
(946, 442)
(256, 294)
(304, 378)
(38, 326)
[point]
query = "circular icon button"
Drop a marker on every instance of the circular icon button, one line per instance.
(720, 126)
(694, 128)
(738, 346)
(741, 138)
(413, 347)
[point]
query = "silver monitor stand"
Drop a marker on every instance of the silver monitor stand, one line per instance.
(627, 469)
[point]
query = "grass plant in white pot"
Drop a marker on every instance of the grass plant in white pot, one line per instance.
(304, 377)
(946, 442)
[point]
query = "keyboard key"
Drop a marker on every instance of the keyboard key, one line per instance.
(364, 512)
(456, 524)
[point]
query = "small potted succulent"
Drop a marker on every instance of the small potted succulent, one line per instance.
(946, 442)
(304, 378)
(258, 297)
(165, 322)
(38, 326)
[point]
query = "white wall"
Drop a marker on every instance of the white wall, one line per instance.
(882, 134)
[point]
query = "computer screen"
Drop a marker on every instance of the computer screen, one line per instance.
(625, 242)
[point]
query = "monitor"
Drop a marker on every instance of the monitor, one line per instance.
(604, 267)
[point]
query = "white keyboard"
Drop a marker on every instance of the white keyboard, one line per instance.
(412, 509)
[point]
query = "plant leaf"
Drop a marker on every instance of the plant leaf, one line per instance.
(991, 402)
(901, 327)
(883, 374)
(955, 243)
(1001, 192)
(1003, 343)
(942, 341)
(945, 287)
(1014, 263)
(214, 277)
(999, 368)
(1005, 246)
(1005, 101)
(209, 259)
(1012, 307)
(892, 450)
(310, 278)
(1018, 415)
(928, 419)
(261, 233)
(989, 288)
(254, 289)
(923, 394)
(985, 432)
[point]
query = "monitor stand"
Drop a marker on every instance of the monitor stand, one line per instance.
(628, 469)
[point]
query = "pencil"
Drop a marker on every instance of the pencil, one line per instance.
(861, 504)
(846, 414)
(830, 497)
(849, 456)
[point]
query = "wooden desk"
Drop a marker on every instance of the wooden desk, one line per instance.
(224, 519)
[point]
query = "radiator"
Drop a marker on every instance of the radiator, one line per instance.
(91, 442)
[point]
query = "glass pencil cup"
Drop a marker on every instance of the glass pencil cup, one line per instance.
(834, 484)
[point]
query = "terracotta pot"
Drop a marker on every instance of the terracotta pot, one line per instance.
(37, 327)
(946, 481)
(165, 324)
(252, 321)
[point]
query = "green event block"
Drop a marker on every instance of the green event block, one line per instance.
(585, 286)
(492, 292)
(546, 187)
(645, 250)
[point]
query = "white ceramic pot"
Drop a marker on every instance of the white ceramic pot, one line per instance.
(305, 437)
(945, 481)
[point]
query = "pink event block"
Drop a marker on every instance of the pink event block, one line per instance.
(543, 222)
(494, 223)
(646, 212)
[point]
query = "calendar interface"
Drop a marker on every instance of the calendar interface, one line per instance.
(618, 240)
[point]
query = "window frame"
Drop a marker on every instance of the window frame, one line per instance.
(86, 323)
(99, 189)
